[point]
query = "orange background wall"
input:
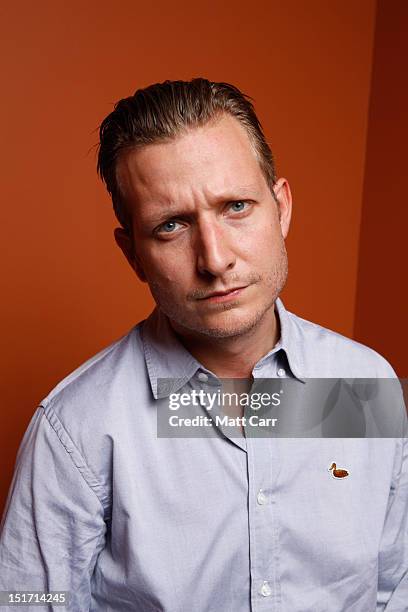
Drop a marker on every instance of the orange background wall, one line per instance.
(382, 295)
(67, 291)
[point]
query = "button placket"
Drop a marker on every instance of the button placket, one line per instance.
(262, 525)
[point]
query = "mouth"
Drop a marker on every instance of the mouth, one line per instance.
(223, 296)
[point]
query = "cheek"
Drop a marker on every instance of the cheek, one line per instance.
(166, 266)
(261, 243)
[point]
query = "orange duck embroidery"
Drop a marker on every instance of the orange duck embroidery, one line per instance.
(338, 473)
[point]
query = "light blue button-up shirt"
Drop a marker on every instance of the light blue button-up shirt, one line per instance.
(124, 520)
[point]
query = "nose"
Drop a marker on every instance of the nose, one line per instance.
(215, 255)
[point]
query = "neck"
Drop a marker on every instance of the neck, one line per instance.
(234, 357)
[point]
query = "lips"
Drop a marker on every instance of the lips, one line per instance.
(223, 296)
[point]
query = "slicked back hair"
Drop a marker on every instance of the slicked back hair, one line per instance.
(163, 111)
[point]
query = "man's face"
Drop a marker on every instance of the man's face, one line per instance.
(208, 234)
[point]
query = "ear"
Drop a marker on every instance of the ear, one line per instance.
(125, 243)
(284, 203)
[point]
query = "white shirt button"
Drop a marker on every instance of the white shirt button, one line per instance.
(266, 590)
(281, 372)
(202, 377)
(261, 497)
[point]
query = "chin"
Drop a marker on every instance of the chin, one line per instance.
(229, 325)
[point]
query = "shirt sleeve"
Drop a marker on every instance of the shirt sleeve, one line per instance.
(393, 558)
(53, 525)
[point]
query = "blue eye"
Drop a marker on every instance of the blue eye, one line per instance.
(238, 206)
(168, 227)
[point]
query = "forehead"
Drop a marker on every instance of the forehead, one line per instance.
(206, 161)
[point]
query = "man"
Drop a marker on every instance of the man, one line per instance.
(102, 507)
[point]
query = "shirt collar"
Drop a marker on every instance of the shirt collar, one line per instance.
(167, 358)
(291, 341)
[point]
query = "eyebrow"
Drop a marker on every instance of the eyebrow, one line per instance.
(247, 192)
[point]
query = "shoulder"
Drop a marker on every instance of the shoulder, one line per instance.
(97, 384)
(99, 403)
(328, 353)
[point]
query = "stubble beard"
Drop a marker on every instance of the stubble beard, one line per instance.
(275, 281)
